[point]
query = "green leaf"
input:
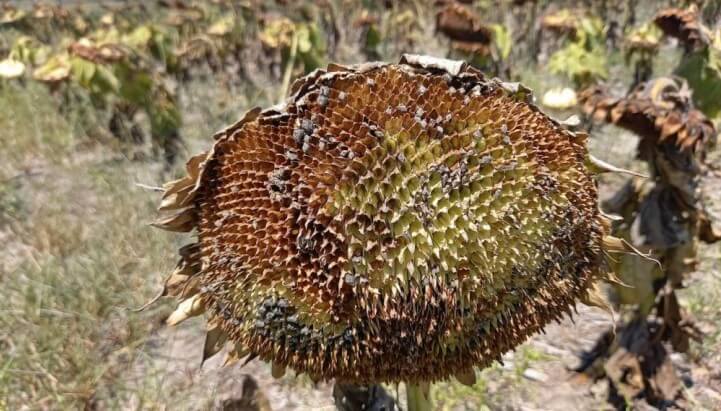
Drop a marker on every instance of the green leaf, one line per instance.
(502, 40)
(82, 71)
(317, 38)
(106, 80)
(29, 51)
(579, 64)
(164, 115)
(373, 38)
(139, 38)
(702, 72)
(303, 35)
(311, 46)
(135, 86)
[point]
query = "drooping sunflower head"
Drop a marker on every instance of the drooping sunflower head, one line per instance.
(389, 222)
(684, 25)
(660, 111)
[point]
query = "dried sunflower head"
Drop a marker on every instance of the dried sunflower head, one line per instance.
(675, 138)
(684, 25)
(464, 28)
(660, 111)
(390, 222)
(563, 21)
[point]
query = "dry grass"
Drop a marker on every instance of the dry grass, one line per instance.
(79, 255)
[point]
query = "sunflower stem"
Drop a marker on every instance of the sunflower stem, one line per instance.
(289, 68)
(418, 397)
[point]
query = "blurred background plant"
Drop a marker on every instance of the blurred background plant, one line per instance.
(666, 215)
(583, 59)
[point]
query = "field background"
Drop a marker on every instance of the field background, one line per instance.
(78, 254)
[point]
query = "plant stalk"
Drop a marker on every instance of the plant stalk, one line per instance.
(289, 68)
(419, 397)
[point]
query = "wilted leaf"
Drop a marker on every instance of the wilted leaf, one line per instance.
(56, 69)
(702, 70)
